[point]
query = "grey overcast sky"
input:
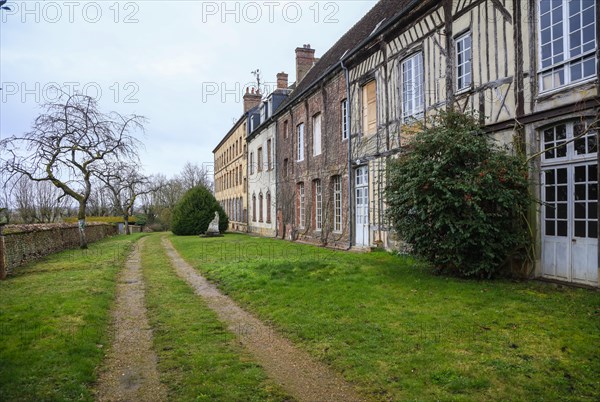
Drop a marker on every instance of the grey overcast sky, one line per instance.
(182, 64)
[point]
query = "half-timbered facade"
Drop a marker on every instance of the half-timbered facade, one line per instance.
(527, 69)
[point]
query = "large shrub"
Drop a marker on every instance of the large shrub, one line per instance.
(458, 200)
(195, 210)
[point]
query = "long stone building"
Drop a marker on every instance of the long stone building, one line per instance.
(529, 69)
(230, 166)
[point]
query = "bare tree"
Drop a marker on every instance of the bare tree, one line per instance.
(193, 175)
(24, 196)
(99, 203)
(125, 185)
(66, 145)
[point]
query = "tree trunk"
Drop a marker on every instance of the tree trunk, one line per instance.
(126, 219)
(3, 265)
(81, 218)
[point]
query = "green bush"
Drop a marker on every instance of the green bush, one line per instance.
(195, 210)
(458, 200)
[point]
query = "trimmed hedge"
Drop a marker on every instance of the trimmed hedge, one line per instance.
(195, 211)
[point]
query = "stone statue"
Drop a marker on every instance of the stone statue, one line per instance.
(213, 227)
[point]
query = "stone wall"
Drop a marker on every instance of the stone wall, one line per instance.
(24, 243)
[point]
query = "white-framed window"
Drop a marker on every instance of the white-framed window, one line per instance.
(301, 205)
(251, 162)
(318, 205)
(568, 141)
(344, 109)
(567, 37)
(337, 204)
(253, 207)
(300, 142)
(463, 61)
(412, 86)
(260, 159)
(316, 135)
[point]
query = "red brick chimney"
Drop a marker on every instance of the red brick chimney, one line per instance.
(251, 99)
(305, 59)
(282, 80)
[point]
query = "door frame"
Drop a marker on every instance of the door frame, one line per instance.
(363, 186)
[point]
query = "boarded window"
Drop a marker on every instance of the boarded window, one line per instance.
(369, 108)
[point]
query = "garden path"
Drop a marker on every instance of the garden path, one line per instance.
(129, 372)
(295, 370)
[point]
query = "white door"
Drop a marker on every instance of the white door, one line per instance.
(570, 223)
(361, 230)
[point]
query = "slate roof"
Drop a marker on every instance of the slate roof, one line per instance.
(384, 12)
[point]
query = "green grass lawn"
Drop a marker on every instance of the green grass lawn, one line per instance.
(198, 358)
(402, 334)
(53, 322)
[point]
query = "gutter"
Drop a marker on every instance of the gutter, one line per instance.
(349, 139)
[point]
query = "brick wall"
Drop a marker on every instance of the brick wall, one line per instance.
(331, 162)
(24, 243)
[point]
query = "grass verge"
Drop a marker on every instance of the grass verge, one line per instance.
(53, 322)
(402, 334)
(198, 358)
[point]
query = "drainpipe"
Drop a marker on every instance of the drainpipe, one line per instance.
(350, 193)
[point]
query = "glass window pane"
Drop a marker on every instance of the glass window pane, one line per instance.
(561, 151)
(557, 31)
(557, 14)
(592, 144)
(561, 132)
(561, 211)
(580, 228)
(544, 6)
(593, 172)
(592, 191)
(550, 194)
(561, 175)
(588, 17)
(561, 228)
(580, 174)
(550, 228)
(561, 193)
(593, 230)
(550, 211)
(580, 210)
(559, 75)
(549, 135)
(574, 23)
(550, 177)
(558, 46)
(592, 210)
(546, 36)
(580, 191)
(580, 146)
(589, 67)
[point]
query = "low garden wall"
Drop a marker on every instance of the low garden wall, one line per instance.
(24, 243)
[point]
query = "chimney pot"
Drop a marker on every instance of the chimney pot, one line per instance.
(251, 99)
